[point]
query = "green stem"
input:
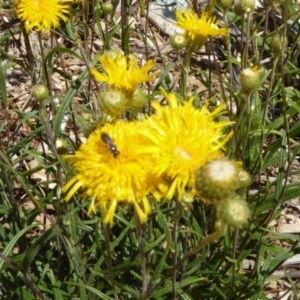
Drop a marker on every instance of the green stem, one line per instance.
(109, 262)
(185, 72)
(177, 215)
(142, 253)
(228, 46)
(125, 12)
(246, 48)
(209, 239)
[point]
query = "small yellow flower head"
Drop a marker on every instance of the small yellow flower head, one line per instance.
(111, 173)
(233, 212)
(113, 102)
(198, 29)
(180, 139)
(250, 79)
(219, 179)
(123, 72)
(40, 92)
(42, 15)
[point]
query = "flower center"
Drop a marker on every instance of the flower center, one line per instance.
(182, 153)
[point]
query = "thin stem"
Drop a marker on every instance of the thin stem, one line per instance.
(29, 56)
(125, 11)
(245, 58)
(209, 239)
(174, 237)
(27, 277)
(228, 46)
(109, 262)
(142, 253)
(185, 72)
(248, 116)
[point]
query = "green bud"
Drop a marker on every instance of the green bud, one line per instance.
(138, 100)
(61, 146)
(278, 44)
(250, 79)
(244, 7)
(113, 102)
(178, 41)
(40, 92)
(225, 4)
(218, 180)
(233, 211)
(244, 178)
(113, 53)
(88, 124)
(107, 8)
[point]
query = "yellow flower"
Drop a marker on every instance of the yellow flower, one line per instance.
(180, 139)
(122, 72)
(109, 170)
(42, 14)
(198, 29)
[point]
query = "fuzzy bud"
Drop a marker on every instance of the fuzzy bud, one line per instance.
(87, 124)
(233, 211)
(113, 102)
(40, 92)
(278, 43)
(244, 7)
(107, 8)
(225, 4)
(178, 41)
(138, 100)
(113, 53)
(61, 146)
(244, 178)
(250, 79)
(218, 179)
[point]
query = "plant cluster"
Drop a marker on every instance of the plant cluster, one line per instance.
(141, 188)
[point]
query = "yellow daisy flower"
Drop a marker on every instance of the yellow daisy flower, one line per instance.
(109, 170)
(180, 139)
(42, 14)
(122, 72)
(196, 30)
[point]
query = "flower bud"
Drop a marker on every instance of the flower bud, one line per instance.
(61, 146)
(218, 179)
(250, 79)
(178, 41)
(244, 178)
(40, 92)
(107, 8)
(278, 44)
(225, 4)
(113, 102)
(233, 211)
(87, 124)
(138, 100)
(244, 7)
(113, 53)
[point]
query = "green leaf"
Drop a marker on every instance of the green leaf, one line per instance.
(8, 249)
(38, 244)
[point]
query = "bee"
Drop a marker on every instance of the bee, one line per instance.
(107, 140)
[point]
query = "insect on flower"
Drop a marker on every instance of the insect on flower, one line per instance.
(107, 140)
